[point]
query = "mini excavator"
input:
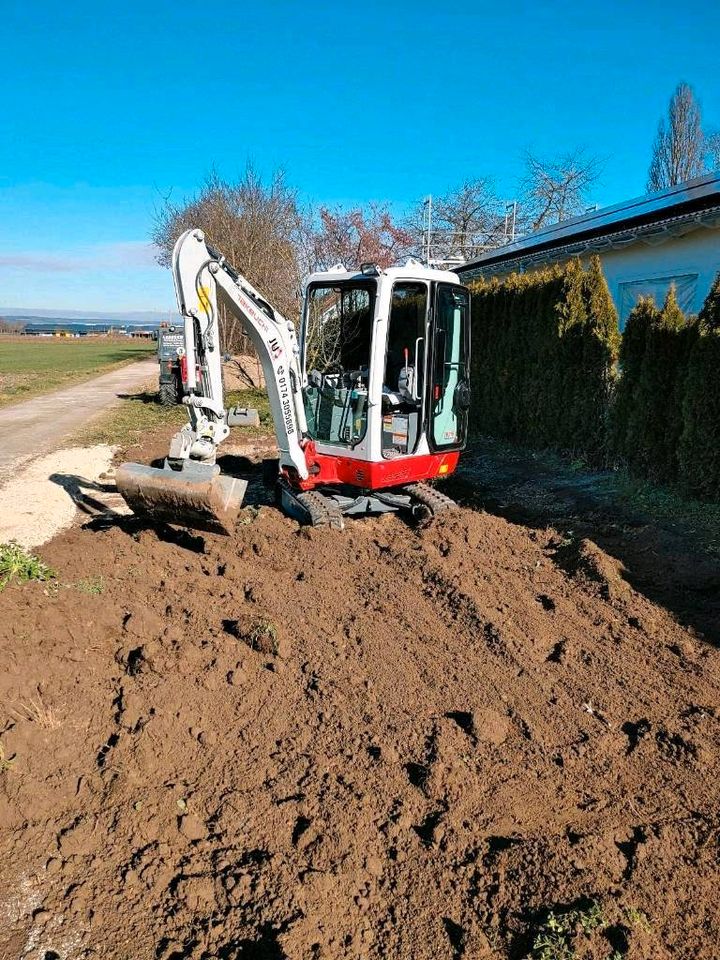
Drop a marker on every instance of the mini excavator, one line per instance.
(370, 403)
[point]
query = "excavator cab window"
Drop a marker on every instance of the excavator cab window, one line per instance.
(404, 368)
(450, 368)
(338, 328)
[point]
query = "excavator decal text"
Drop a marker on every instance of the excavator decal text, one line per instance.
(284, 390)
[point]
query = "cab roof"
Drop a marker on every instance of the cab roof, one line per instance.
(412, 270)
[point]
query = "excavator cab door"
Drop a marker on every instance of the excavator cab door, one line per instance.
(449, 380)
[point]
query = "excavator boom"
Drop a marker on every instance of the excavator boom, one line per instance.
(189, 488)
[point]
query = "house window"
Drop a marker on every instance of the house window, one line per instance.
(657, 288)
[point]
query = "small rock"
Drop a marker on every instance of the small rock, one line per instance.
(389, 754)
(490, 726)
(192, 827)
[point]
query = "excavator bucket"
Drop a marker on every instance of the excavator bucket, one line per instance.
(199, 498)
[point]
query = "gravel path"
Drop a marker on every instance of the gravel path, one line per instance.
(38, 426)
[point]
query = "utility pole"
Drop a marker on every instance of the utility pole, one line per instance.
(428, 206)
(510, 220)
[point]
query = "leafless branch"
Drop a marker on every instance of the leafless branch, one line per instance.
(556, 189)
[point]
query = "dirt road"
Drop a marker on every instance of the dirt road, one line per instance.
(35, 427)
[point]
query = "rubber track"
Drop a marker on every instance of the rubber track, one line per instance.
(168, 395)
(322, 511)
(431, 498)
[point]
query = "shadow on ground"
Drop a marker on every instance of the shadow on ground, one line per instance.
(145, 396)
(665, 559)
(89, 496)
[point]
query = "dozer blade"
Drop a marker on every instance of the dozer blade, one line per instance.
(199, 498)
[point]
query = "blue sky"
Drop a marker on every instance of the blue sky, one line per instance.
(106, 108)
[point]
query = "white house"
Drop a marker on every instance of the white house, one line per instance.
(645, 245)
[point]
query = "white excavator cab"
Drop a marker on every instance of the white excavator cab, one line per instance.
(385, 356)
(368, 403)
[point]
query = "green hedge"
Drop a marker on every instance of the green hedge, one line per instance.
(648, 415)
(544, 352)
(544, 373)
(632, 351)
(699, 447)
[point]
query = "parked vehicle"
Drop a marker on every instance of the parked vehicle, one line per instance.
(171, 347)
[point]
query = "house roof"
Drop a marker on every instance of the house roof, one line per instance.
(670, 212)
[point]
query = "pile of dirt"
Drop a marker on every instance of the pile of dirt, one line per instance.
(384, 742)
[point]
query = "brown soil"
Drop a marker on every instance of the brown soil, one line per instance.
(672, 558)
(387, 742)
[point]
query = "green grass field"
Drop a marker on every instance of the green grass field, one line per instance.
(33, 365)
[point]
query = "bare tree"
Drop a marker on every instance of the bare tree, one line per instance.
(11, 326)
(352, 237)
(680, 146)
(338, 316)
(260, 229)
(712, 143)
(553, 190)
(462, 223)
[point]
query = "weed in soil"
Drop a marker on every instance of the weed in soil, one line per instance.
(6, 763)
(16, 564)
(638, 918)
(556, 937)
(35, 710)
(90, 585)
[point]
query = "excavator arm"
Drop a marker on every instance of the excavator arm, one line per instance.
(189, 487)
(199, 272)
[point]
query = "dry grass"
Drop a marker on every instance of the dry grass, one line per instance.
(139, 416)
(35, 710)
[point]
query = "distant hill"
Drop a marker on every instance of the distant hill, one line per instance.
(139, 318)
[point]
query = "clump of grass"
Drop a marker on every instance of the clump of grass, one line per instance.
(555, 938)
(17, 564)
(263, 636)
(91, 585)
(6, 763)
(35, 710)
(637, 918)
